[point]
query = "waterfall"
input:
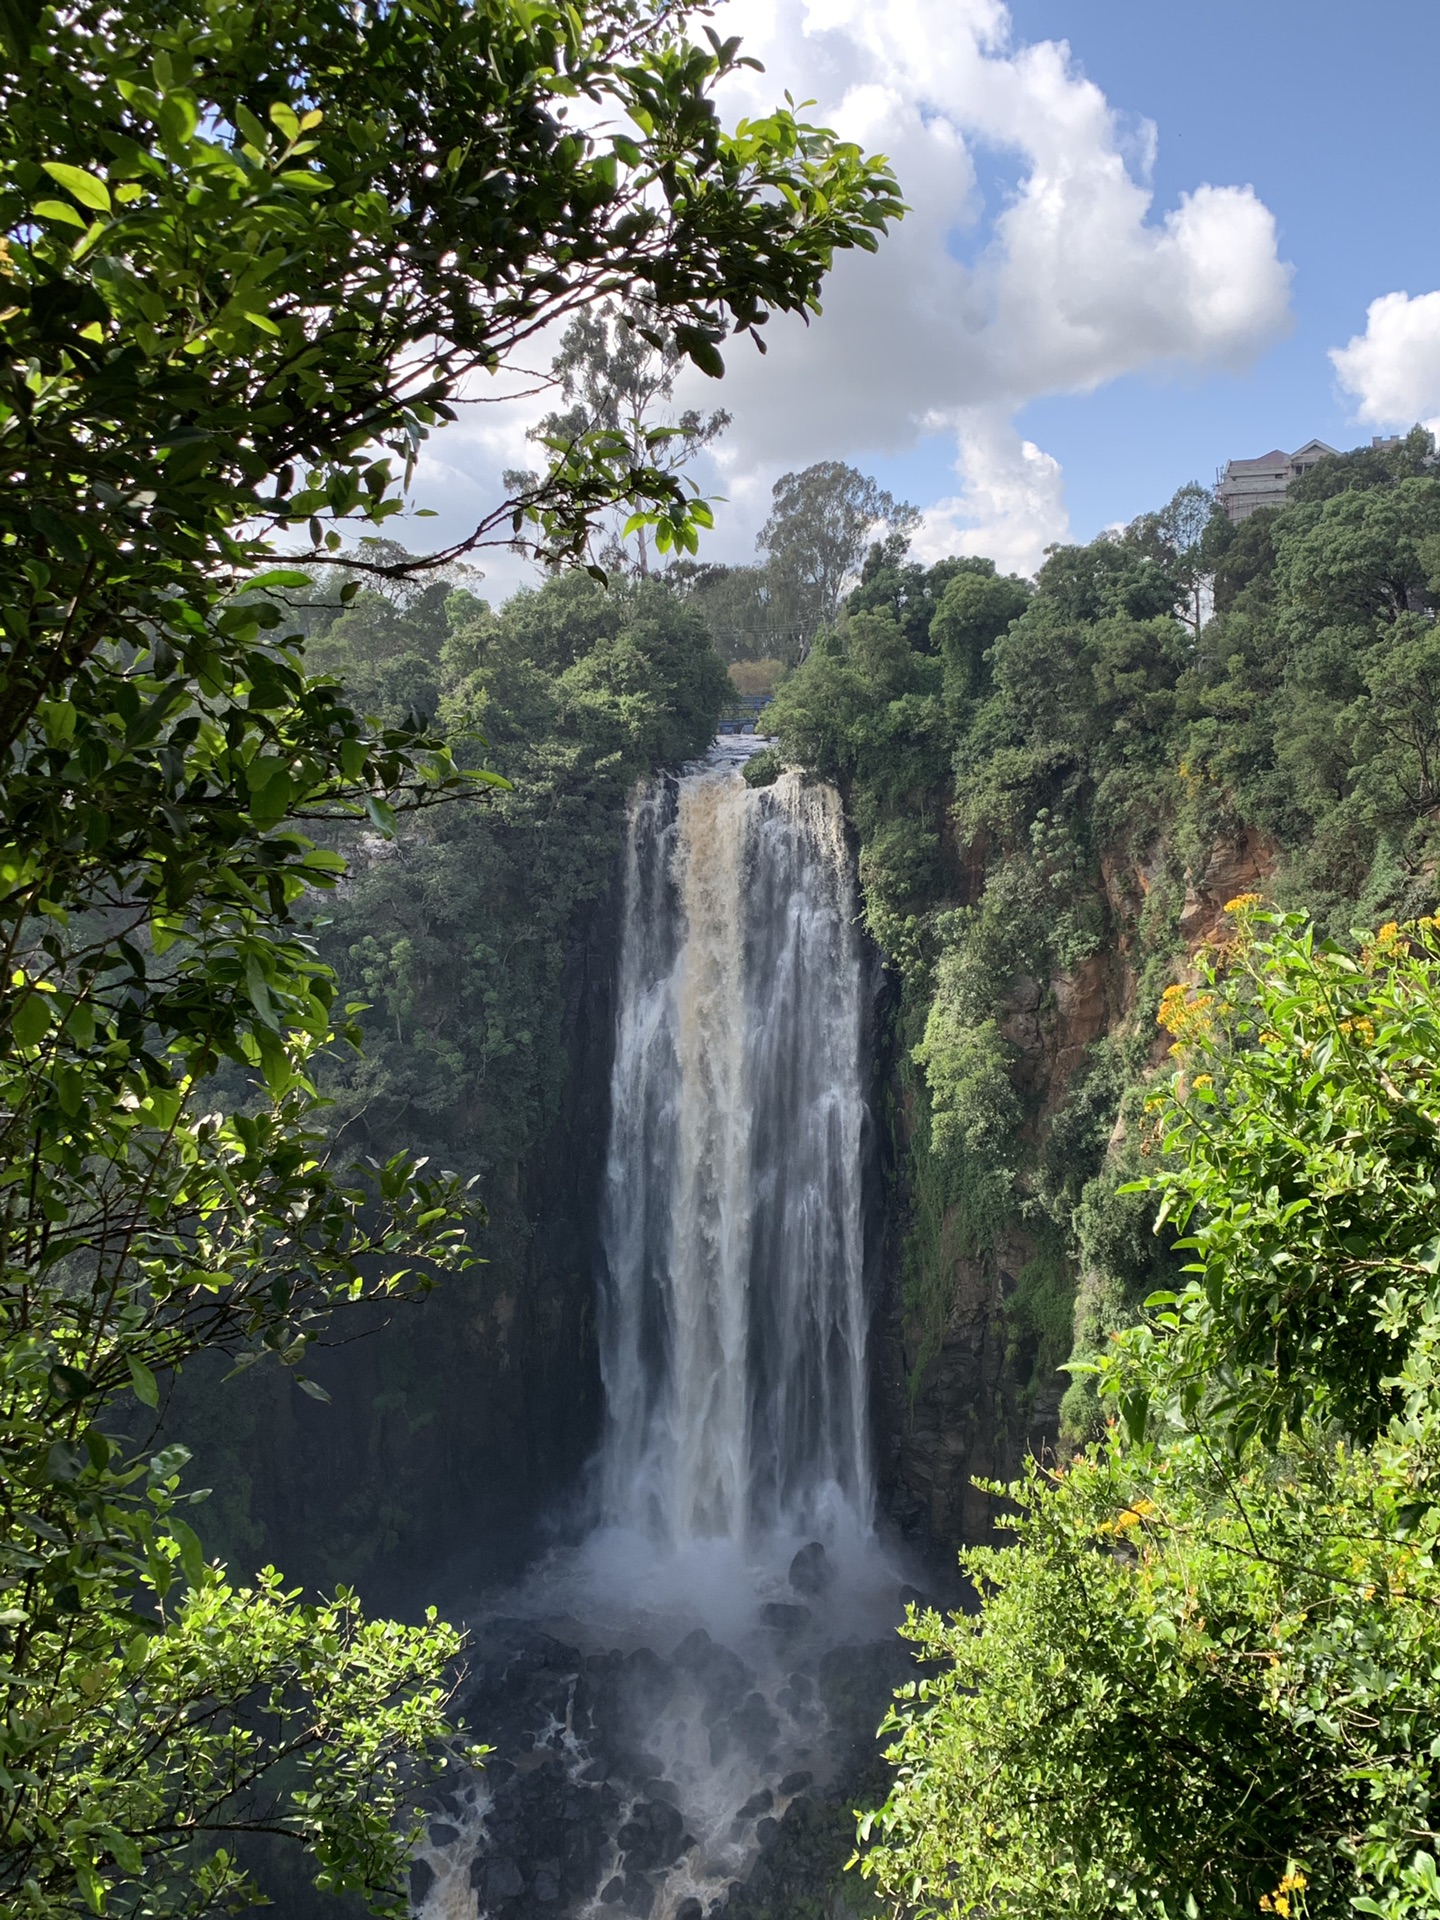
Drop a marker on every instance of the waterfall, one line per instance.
(733, 1321)
(669, 1691)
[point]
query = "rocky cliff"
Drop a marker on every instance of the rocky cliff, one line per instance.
(455, 1426)
(972, 1404)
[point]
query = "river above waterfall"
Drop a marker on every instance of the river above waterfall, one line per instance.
(684, 1693)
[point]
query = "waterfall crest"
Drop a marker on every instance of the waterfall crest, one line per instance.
(733, 1322)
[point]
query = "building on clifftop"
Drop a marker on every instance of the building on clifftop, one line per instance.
(1246, 485)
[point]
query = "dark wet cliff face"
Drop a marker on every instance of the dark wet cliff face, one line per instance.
(457, 1425)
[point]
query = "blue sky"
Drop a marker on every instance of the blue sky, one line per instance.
(1328, 111)
(1125, 263)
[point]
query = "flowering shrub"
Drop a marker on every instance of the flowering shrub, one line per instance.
(1206, 1678)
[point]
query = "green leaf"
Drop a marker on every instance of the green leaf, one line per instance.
(382, 815)
(250, 128)
(70, 1384)
(64, 1462)
(30, 1021)
(192, 1554)
(127, 1855)
(701, 351)
(70, 1090)
(87, 188)
(90, 1885)
(58, 718)
(178, 117)
(143, 1381)
(59, 210)
(271, 790)
(258, 991)
(274, 577)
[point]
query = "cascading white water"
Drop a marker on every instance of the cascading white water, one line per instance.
(699, 1657)
(733, 1322)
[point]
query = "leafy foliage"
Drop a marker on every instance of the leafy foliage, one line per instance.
(822, 521)
(1037, 774)
(1306, 1159)
(459, 944)
(1203, 1679)
(274, 299)
(248, 259)
(617, 373)
(257, 1681)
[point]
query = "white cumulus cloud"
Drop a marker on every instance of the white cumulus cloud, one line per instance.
(1066, 278)
(1011, 505)
(1393, 368)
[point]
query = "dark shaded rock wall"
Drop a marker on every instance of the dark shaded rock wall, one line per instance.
(458, 1425)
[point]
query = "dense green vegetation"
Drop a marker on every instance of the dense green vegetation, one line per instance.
(248, 257)
(1203, 1679)
(460, 940)
(459, 943)
(1035, 773)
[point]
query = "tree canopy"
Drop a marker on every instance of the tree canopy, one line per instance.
(822, 522)
(617, 375)
(249, 259)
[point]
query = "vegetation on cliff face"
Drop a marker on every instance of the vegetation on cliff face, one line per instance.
(456, 936)
(460, 939)
(1042, 778)
(1203, 1679)
(239, 281)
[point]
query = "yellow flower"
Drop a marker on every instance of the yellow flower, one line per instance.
(1361, 1024)
(1186, 1015)
(1243, 902)
(1292, 1881)
(1388, 944)
(1133, 1515)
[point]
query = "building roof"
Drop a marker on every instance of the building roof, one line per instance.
(1275, 458)
(1278, 458)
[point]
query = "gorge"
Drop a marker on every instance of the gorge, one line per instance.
(690, 1687)
(1049, 794)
